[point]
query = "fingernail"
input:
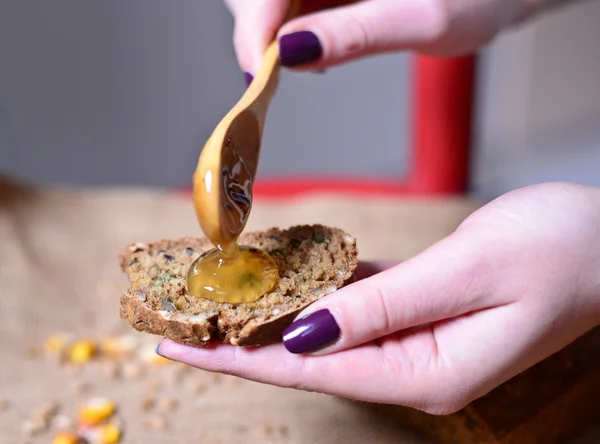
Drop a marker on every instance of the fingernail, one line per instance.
(248, 78)
(311, 332)
(157, 350)
(298, 48)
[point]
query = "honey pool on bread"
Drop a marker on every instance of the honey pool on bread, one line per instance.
(244, 279)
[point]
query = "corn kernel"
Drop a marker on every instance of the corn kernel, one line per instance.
(109, 434)
(56, 344)
(149, 355)
(119, 346)
(159, 360)
(169, 404)
(82, 351)
(33, 427)
(66, 438)
(109, 346)
(62, 423)
(96, 411)
(131, 370)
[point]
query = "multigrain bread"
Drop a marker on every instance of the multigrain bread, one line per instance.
(313, 261)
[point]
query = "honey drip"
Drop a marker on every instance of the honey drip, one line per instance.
(229, 273)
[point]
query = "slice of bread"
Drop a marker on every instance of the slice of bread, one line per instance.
(313, 261)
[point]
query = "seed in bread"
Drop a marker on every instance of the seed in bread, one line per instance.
(312, 260)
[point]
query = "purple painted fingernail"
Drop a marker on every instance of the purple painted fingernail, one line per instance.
(298, 48)
(311, 332)
(248, 78)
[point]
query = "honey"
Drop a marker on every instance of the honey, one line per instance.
(228, 273)
(243, 279)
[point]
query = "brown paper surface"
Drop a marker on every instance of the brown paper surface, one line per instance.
(59, 273)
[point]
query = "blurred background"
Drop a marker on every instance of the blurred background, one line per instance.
(127, 92)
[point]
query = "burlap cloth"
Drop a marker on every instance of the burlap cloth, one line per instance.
(58, 272)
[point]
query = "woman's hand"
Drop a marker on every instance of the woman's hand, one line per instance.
(337, 31)
(517, 281)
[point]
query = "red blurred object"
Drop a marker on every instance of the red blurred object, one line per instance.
(442, 113)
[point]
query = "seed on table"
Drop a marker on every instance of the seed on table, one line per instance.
(147, 404)
(169, 404)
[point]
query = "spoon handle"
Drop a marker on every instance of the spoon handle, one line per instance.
(263, 87)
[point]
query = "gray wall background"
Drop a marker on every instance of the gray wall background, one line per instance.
(126, 92)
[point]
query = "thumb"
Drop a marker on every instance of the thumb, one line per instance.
(356, 30)
(438, 284)
(256, 24)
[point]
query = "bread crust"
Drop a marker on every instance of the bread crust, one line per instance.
(245, 325)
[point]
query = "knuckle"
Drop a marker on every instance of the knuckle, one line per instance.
(393, 369)
(359, 40)
(381, 319)
(438, 20)
(299, 378)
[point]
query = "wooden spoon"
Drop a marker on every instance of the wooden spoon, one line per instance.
(227, 165)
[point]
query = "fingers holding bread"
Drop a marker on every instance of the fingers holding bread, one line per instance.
(440, 283)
